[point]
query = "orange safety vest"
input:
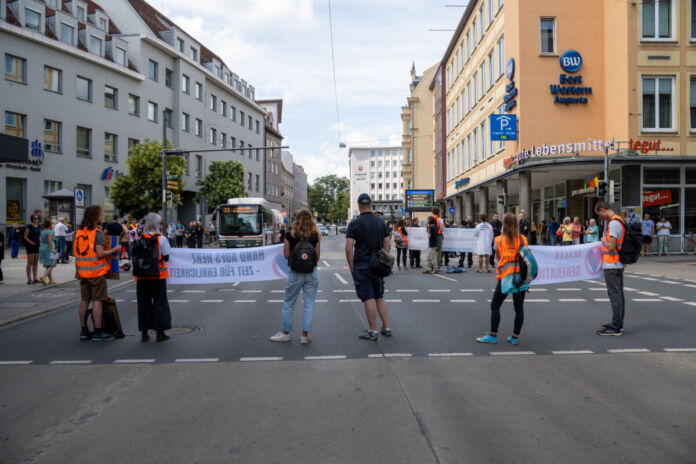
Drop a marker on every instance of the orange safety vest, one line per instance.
(163, 272)
(612, 257)
(437, 223)
(403, 235)
(88, 264)
(508, 255)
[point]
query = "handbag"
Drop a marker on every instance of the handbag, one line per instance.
(381, 263)
(54, 255)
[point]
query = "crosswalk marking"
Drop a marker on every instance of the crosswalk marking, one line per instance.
(601, 300)
(375, 355)
(134, 361)
(690, 303)
(436, 290)
(262, 358)
(79, 361)
(511, 353)
(341, 279)
(690, 285)
(462, 301)
(646, 300)
(274, 301)
(196, 360)
(179, 301)
(671, 298)
(325, 263)
(277, 291)
(448, 355)
(426, 301)
(573, 352)
(629, 350)
(471, 290)
(650, 278)
(193, 291)
(243, 301)
(681, 350)
(251, 291)
(14, 363)
(393, 301)
(536, 300)
(333, 356)
(321, 301)
(397, 355)
(649, 293)
(351, 300)
(568, 289)
(212, 301)
(408, 290)
(571, 300)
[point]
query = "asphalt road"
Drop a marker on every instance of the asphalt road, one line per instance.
(221, 392)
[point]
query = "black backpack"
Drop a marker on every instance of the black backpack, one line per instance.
(303, 257)
(145, 257)
(632, 243)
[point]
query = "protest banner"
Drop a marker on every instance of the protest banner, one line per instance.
(458, 240)
(568, 263)
(417, 238)
(225, 265)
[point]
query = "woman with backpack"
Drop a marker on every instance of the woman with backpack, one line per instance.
(507, 247)
(302, 249)
(401, 242)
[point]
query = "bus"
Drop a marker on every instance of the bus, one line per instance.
(246, 222)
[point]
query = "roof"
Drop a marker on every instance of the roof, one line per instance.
(279, 101)
(274, 132)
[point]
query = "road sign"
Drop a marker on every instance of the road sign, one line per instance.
(503, 127)
(172, 185)
(79, 197)
(452, 209)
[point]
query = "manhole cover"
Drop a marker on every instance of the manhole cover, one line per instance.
(181, 330)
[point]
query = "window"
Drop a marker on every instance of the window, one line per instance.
(84, 88)
(500, 4)
(223, 140)
(547, 34)
(198, 128)
(474, 34)
(32, 20)
(233, 113)
(199, 166)
(372, 164)
(490, 12)
(223, 108)
(386, 174)
(180, 44)
(249, 151)
(241, 118)
(193, 53)
(167, 118)
(490, 68)
(185, 119)
(475, 146)
(249, 179)
(660, 176)
(120, 56)
(15, 69)
(152, 70)
(669, 209)
(233, 142)
(250, 121)
(212, 99)
(83, 142)
(133, 105)
(483, 79)
(102, 24)
(692, 105)
(199, 91)
(657, 19)
(658, 104)
(110, 147)
(168, 75)
(67, 33)
(14, 124)
(51, 136)
(152, 111)
(258, 127)
(257, 182)
(468, 97)
(483, 141)
(131, 145)
(693, 20)
(476, 98)
(458, 111)
(481, 19)
(95, 45)
(501, 56)
(185, 84)
(80, 13)
(468, 45)
(52, 79)
(468, 152)
(212, 134)
(110, 97)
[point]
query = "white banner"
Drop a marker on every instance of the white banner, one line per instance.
(568, 263)
(462, 240)
(225, 265)
(417, 238)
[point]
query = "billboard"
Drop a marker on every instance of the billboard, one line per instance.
(420, 200)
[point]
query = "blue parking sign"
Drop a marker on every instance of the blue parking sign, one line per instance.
(503, 127)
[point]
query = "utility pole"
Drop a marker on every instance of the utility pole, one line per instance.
(607, 165)
(164, 170)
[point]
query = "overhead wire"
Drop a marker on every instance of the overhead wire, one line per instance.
(333, 67)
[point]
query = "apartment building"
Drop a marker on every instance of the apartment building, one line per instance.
(274, 181)
(378, 172)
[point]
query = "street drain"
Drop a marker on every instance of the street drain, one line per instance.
(181, 330)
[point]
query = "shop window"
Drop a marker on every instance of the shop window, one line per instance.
(690, 210)
(560, 190)
(658, 103)
(657, 21)
(660, 176)
(691, 176)
(547, 34)
(659, 203)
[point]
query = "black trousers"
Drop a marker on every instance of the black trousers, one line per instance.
(497, 302)
(469, 261)
(401, 256)
(153, 306)
(179, 241)
(414, 257)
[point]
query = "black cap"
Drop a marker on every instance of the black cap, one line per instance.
(364, 199)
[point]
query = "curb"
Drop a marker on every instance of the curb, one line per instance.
(55, 307)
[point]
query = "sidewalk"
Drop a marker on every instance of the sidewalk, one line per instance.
(672, 267)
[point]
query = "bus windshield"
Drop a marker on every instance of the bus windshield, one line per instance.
(240, 220)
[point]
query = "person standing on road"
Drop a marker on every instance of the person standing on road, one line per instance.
(366, 235)
(525, 228)
(191, 235)
(497, 228)
(297, 248)
(14, 241)
(648, 230)
(553, 229)
(566, 230)
(113, 229)
(32, 241)
(59, 232)
(431, 257)
(47, 250)
(507, 247)
(124, 240)
(577, 231)
(544, 233)
(440, 226)
(414, 256)
(180, 234)
(613, 269)
(171, 234)
(468, 224)
(199, 234)
(484, 237)
(91, 254)
(533, 234)
(592, 232)
(69, 234)
(664, 229)
(401, 246)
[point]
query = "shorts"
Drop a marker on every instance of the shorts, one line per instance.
(368, 286)
(32, 249)
(93, 289)
(647, 239)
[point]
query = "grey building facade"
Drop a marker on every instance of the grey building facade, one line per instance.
(274, 181)
(299, 186)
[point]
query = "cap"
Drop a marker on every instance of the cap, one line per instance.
(364, 199)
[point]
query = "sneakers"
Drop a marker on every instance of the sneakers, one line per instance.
(85, 335)
(487, 339)
(280, 337)
(102, 337)
(606, 326)
(44, 280)
(610, 331)
(304, 340)
(162, 337)
(367, 335)
(386, 332)
(512, 340)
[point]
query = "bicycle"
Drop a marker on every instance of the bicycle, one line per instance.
(689, 243)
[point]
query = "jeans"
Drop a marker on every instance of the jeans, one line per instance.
(662, 245)
(309, 284)
(15, 249)
(401, 256)
(179, 241)
(614, 280)
(60, 248)
(564, 243)
(554, 239)
(497, 302)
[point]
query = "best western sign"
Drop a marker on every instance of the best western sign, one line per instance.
(571, 62)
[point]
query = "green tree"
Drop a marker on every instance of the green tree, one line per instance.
(325, 191)
(225, 180)
(140, 192)
(338, 211)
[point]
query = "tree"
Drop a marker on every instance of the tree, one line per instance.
(225, 180)
(140, 192)
(338, 211)
(325, 191)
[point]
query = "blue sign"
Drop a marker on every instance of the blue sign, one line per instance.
(462, 182)
(571, 61)
(403, 210)
(503, 126)
(510, 68)
(452, 209)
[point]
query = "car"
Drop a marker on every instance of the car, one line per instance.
(343, 229)
(323, 231)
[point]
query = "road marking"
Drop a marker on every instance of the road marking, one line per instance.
(321, 301)
(438, 290)
(193, 291)
(235, 284)
(537, 300)
(212, 301)
(650, 278)
(375, 355)
(511, 353)
(135, 301)
(571, 300)
(408, 290)
(669, 282)
(446, 278)
(354, 300)
(671, 298)
(573, 352)
(690, 303)
(601, 300)
(646, 300)
(243, 301)
(277, 291)
(179, 301)
(568, 289)
(630, 350)
(338, 276)
(690, 285)
(81, 361)
(171, 291)
(393, 301)
(133, 291)
(14, 363)
(462, 301)
(448, 355)
(537, 290)
(471, 290)
(268, 358)
(602, 289)
(397, 355)
(681, 350)
(196, 360)
(120, 300)
(251, 291)
(344, 291)
(133, 361)
(275, 301)
(649, 293)
(426, 301)
(325, 263)
(630, 289)
(336, 356)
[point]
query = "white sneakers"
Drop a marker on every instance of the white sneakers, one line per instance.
(305, 340)
(281, 337)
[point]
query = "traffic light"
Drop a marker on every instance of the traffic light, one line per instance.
(602, 188)
(501, 199)
(168, 196)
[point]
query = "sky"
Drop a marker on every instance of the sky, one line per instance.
(283, 48)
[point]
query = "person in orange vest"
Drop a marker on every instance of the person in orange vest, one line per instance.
(402, 245)
(507, 246)
(613, 269)
(440, 223)
(151, 291)
(89, 248)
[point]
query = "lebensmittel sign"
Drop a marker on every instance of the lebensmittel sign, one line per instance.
(544, 150)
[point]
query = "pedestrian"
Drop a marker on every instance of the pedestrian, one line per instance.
(664, 228)
(468, 224)
(15, 234)
(281, 233)
(414, 256)
(507, 247)
(533, 234)
(553, 232)
(113, 229)
(484, 238)
(132, 237)
(524, 225)
(32, 241)
(648, 230)
(69, 234)
(567, 232)
(171, 233)
(613, 269)
(91, 255)
(191, 235)
(303, 274)
(125, 241)
(180, 229)
(544, 235)
(592, 232)
(47, 252)
(366, 235)
(401, 245)
(431, 257)
(440, 226)
(2, 255)
(497, 227)
(576, 231)
(59, 232)
(153, 305)
(199, 234)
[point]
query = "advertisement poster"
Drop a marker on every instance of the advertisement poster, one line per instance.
(632, 213)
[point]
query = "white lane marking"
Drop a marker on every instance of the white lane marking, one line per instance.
(133, 361)
(671, 298)
(135, 301)
(690, 285)
(337, 356)
(235, 284)
(426, 301)
(681, 350)
(630, 289)
(649, 293)
(571, 300)
(393, 301)
(14, 363)
(650, 278)
(601, 289)
(251, 291)
(196, 360)
(629, 350)
(438, 290)
(212, 301)
(277, 291)
(448, 355)
(375, 355)
(573, 352)
(646, 300)
(568, 289)
(408, 290)
(81, 361)
(462, 301)
(353, 300)
(471, 290)
(446, 278)
(274, 301)
(119, 300)
(171, 291)
(243, 301)
(397, 355)
(601, 300)
(325, 263)
(537, 289)
(133, 291)
(669, 282)
(267, 358)
(179, 301)
(511, 353)
(193, 291)
(344, 291)
(537, 300)
(690, 303)
(338, 276)
(321, 301)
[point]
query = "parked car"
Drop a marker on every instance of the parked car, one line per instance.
(323, 231)
(342, 229)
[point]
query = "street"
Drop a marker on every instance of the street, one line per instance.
(220, 391)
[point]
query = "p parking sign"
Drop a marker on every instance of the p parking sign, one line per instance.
(503, 126)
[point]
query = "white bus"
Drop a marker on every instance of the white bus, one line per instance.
(246, 222)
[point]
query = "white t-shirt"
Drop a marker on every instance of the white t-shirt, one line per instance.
(615, 230)
(60, 229)
(662, 228)
(164, 245)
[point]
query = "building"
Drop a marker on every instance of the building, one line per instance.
(299, 189)
(378, 172)
(89, 81)
(287, 173)
(417, 137)
(580, 78)
(274, 184)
